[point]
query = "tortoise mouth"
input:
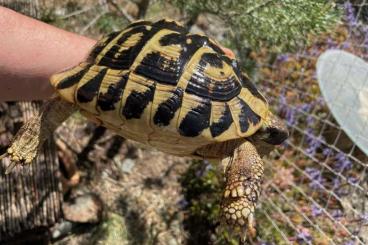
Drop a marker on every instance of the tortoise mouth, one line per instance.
(274, 136)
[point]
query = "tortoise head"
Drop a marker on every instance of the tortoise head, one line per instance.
(273, 131)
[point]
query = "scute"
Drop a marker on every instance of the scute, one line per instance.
(88, 91)
(107, 99)
(223, 123)
(167, 109)
(156, 83)
(159, 68)
(196, 120)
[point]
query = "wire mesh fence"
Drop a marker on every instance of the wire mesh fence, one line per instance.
(318, 190)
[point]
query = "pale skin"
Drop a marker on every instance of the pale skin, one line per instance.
(29, 66)
(31, 51)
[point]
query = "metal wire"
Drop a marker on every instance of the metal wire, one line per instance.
(330, 200)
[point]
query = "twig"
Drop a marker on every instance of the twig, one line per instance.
(259, 6)
(122, 11)
(92, 22)
(81, 11)
(63, 145)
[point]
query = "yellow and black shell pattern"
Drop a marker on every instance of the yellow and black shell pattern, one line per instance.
(158, 84)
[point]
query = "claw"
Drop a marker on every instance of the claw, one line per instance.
(251, 230)
(10, 167)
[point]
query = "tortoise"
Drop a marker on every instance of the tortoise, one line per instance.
(181, 93)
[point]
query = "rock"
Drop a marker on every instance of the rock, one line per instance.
(127, 165)
(111, 231)
(86, 208)
(61, 229)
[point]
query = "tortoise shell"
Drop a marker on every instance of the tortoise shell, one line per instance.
(160, 85)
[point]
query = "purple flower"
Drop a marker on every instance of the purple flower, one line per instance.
(282, 57)
(309, 133)
(337, 214)
(364, 218)
(349, 243)
(304, 237)
(316, 176)
(327, 152)
(290, 116)
(282, 99)
(306, 107)
(353, 180)
(310, 120)
(342, 162)
(331, 43)
(336, 183)
(345, 45)
(313, 143)
(284, 109)
(291, 112)
(350, 14)
(316, 211)
(320, 101)
(313, 172)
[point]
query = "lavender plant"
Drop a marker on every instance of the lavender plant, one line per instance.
(278, 25)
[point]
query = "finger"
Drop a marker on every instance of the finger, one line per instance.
(10, 167)
(3, 155)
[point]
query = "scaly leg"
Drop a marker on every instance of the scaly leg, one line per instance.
(243, 174)
(34, 132)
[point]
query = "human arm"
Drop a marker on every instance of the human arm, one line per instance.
(30, 52)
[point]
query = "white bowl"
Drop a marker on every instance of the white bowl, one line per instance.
(343, 79)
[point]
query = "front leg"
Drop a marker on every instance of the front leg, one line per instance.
(243, 174)
(33, 133)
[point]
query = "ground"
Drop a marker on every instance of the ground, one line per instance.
(140, 184)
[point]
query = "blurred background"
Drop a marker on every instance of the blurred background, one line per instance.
(315, 189)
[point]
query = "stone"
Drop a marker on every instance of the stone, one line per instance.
(127, 165)
(86, 208)
(61, 229)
